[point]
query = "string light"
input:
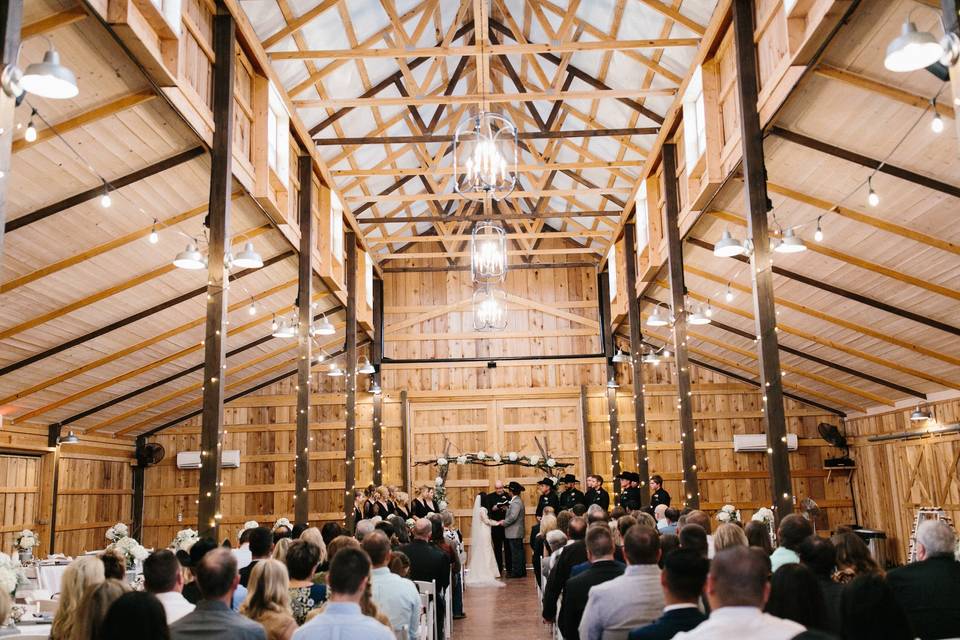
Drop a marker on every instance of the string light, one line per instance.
(872, 198)
(729, 295)
(30, 135)
(818, 234)
(252, 309)
(154, 236)
(105, 200)
(936, 125)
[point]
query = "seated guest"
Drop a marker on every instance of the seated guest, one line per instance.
(261, 547)
(553, 542)
(242, 553)
(683, 576)
(396, 597)
(671, 516)
(870, 610)
(312, 534)
(280, 549)
(268, 600)
(191, 591)
(428, 562)
(668, 544)
(114, 566)
(819, 555)
(794, 528)
(737, 589)
(303, 558)
(399, 564)
(729, 535)
(599, 546)
(659, 514)
(297, 531)
(853, 558)
(94, 606)
(631, 600)
(596, 513)
(162, 577)
(341, 617)
(623, 524)
(571, 555)
(795, 595)
(135, 610)
(362, 528)
(758, 535)
(329, 531)
(217, 579)
(83, 573)
(929, 589)
(401, 533)
(702, 520)
(692, 536)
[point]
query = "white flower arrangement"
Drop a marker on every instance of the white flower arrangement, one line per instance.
(481, 455)
(442, 505)
(131, 550)
(11, 573)
(283, 522)
(117, 532)
(764, 515)
(461, 459)
(26, 540)
(441, 461)
(184, 539)
(512, 456)
(728, 513)
(534, 459)
(497, 458)
(438, 481)
(551, 462)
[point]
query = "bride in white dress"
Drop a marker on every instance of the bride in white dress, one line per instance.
(481, 565)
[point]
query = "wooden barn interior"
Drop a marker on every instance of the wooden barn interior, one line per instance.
(301, 154)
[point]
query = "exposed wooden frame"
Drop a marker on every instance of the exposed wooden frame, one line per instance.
(521, 135)
(521, 168)
(301, 501)
(875, 86)
(376, 357)
(53, 22)
(606, 336)
(350, 376)
(476, 98)
(636, 361)
(543, 215)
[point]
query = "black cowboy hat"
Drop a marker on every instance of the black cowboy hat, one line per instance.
(567, 479)
(515, 486)
(546, 481)
(630, 475)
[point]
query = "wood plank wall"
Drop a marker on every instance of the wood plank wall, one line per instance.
(896, 477)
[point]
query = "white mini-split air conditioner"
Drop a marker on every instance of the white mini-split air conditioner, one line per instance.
(191, 459)
(758, 442)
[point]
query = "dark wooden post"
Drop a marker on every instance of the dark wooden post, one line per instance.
(376, 357)
(301, 498)
(678, 290)
(136, 531)
(404, 439)
(350, 377)
(755, 189)
(11, 17)
(584, 435)
(53, 441)
(218, 223)
(636, 360)
(606, 336)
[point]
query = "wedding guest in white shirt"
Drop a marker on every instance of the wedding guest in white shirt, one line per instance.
(242, 553)
(396, 597)
(162, 577)
(737, 589)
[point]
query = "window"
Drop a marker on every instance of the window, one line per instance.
(643, 220)
(278, 143)
(694, 121)
(612, 271)
(336, 228)
(368, 278)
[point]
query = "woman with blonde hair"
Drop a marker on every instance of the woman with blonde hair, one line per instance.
(401, 504)
(268, 600)
(82, 573)
(312, 534)
(729, 535)
(93, 608)
(280, 549)
(423, 504)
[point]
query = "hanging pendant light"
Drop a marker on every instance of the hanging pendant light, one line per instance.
(919, 415)
(728, 246)
(334, 371)
(485, 157)
(620, 357)
(912, 50)
(698, 317)
(248, 258)
(488, 253)
(489, 309)
(790, 243)
(651, 358)
(70, 438)
(285, 329)
(50, 79)
(657, 319)
(365, 366)
(375, 389)
(324, 327)
(190, 258)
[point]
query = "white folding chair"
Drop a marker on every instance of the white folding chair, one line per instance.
(448, 608)
(429, 589)
(424, 632)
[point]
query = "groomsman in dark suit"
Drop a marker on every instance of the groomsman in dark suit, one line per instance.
(595, 493)
(571, 495)
(630, 494)
(496, 505)
(548, 497)
(659, 495)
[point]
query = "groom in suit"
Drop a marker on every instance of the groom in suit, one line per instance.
(513, 530)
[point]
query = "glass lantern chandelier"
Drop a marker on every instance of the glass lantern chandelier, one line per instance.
(489, 309)
(485, 157)
(488, 253)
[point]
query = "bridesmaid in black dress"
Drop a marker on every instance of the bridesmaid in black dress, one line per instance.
(359, 500)
(423, 504)
(400, 504)
(381, 504)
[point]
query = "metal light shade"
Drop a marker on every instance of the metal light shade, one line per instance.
(365, 366)
(919, 415)
(285, 330)
(651, 358)
(50, 79)
(325, 327)
(489, 309)
(190, 258)
(612, 384)
(728, 246)
(620, 356)
(488, 253)
(698, 317)
(334, 371)
(70, 438)
(485, 157)
(657, 319)
(248, 258)
(375, 389)
(790, 243)
(912, 50)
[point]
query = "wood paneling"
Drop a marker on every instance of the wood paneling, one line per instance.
(95, 493)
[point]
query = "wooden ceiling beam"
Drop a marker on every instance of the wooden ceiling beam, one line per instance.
(52, 22)
(85, 196)
(445, 197)
(874, 86)
(476, 98)
(674, 14)
(879, 166)
(844, 293)
(523, 135)
(459, 237)
(294, 26)
(504, 216)
(146, 313)
(427, 255)
(521, 168)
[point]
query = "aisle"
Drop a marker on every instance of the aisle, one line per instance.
(513, 610)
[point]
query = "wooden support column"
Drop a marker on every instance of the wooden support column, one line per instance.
(218, 224)
(404, 439)
(376, 357)
(606, 336)
(350, 377)
(678, 291)
(50, 494)
(136, 531)
(11, 17)
(301, 498)
(636, 360)
(755, 188)
(584, 431)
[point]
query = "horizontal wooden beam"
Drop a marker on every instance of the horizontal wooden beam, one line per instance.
(513, 267)
(460, 237)
(446, 197)
(492, 50)
(466, 254)
(522, 135)
(492, 98)
(866, 161)
(543, 215)
(84, 196)
(52, 22)
(875, 86)
(521, 168)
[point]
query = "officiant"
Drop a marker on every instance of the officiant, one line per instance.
(496, 503)
(548, 497)
(571, 495)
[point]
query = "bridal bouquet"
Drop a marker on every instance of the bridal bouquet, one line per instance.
(11, 574)
(184, 539)
(26, 540)
(728, 513)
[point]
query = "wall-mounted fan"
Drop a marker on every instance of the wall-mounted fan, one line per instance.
(150, 454)
(831, 434)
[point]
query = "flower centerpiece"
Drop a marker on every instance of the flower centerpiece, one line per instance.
(121, 543)
(11, 574)
(765, 515)
(728, 513)
(25, 541)
(184, 539)
(283, 522)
